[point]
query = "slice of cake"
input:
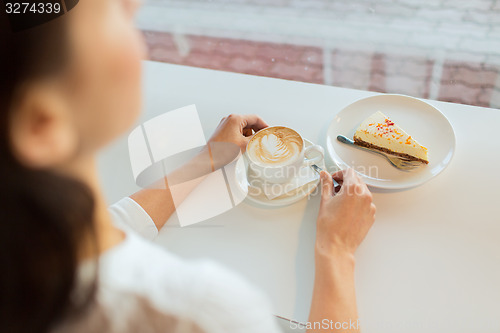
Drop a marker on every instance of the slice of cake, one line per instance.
(379, 132)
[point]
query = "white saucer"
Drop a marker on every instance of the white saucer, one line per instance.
(429, 126)
(256, 194)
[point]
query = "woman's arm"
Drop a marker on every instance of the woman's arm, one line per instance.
(158, 201)
(343, 222)
(230, 137)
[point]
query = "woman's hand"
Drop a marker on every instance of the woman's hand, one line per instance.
(343, 222)
(344, 218)
(237, 129)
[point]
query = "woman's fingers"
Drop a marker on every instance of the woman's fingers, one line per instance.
(373, 209)
(349, 180)
(338, 176)
(254, 122)
(326, 185)
(349, 177)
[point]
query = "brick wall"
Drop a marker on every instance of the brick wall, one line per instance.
(437, 49)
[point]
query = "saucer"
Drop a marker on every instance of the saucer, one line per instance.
(255, 188)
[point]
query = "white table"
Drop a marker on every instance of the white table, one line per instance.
(430, 263)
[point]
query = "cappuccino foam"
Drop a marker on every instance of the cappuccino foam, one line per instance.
(275, 146)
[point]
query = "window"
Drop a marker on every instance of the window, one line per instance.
(437, 49)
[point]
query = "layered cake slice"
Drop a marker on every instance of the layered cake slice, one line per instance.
(379, 132)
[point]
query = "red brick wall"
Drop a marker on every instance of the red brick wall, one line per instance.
(460, 82)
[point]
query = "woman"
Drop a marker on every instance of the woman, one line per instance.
(68, 88)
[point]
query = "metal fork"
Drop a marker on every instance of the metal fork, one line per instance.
(397, 162)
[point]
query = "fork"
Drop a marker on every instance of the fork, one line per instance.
(397, 162)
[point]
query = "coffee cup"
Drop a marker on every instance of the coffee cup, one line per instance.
(276, 154)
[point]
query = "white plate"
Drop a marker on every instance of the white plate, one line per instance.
(418, 118)
(256, 195)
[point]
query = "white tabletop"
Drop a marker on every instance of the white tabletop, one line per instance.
(430, 263)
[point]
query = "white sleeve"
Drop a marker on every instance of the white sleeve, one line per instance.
(129, 216)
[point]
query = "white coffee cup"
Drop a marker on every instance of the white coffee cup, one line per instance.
(276, 154)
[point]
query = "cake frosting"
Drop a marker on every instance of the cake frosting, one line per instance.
(380, 132)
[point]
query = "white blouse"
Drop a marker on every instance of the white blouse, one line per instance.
(143, 288)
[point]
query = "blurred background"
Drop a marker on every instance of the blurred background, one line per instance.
(447, 50)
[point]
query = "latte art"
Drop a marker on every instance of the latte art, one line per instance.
(275, 146)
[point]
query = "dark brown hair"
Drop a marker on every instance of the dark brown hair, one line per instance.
(43, 215)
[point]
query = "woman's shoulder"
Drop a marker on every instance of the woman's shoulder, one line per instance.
(217, 298)
(142, 266)
(117, 311)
